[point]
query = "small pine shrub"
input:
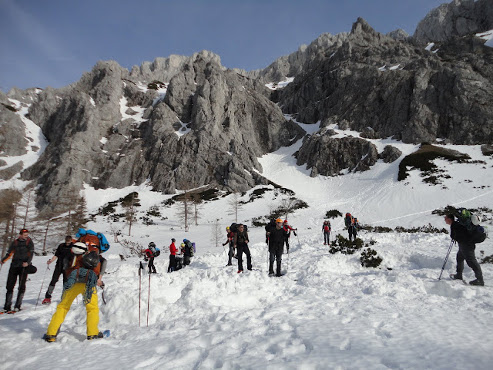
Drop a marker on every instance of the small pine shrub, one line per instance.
(370, 258)
(333, 214)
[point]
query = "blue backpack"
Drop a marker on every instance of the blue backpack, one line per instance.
(103, 242)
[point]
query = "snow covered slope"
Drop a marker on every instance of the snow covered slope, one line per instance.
(326, 312)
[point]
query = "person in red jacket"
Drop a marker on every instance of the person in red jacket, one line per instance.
(172, 256)
(326, 228)
(287, 235)
(230, 235)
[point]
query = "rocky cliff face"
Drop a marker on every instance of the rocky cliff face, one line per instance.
(209, 129)
(184, 122)
(398, 89)
(456, 19)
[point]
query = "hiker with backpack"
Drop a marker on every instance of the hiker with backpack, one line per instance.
(84, 273)
(62, 254)
(276, 236)
(326, 228)
(188, 251)
(149, 254)
(268, 227)
(240, 242)
(353, 228)
(172, 256)
(464, 239)
(288, 230)
(230, 236)
(21, 251)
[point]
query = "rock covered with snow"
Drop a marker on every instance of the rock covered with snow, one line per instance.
(455, 19)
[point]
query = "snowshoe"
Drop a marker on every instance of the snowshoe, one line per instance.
(49, 338)
(46, 301)
(455, 277)
(477, 282)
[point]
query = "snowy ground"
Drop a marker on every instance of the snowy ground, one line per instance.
(326, 312)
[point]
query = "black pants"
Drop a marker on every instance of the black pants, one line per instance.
(54, 279)
(151, 266)
(286, 241)
(466, 253)
(243, 248)
(326, 237)
(231, 252)
(275, 253)
(186, 260)
(172, 263)
(352, 233)
(15, 272)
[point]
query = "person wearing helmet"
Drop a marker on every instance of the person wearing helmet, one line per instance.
(288, 230)
(62, 254)
(240, 241)
(172, 256)
(230, 236)
(150, 253)
(83, 275)
(21, 251)
(276, 237)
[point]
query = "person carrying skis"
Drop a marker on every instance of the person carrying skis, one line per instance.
(326, 228)
(62, 254)
(83, 276)
(150, 254)
(230, 235)
(172, 256)
(277, 236)
(460, 234)
(21, 251)
(240, 242)
(288, 230)
(187, 252)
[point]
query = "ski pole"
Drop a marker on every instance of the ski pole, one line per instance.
(102, 292)
(140, 286)
(148, 299)
(42, 283)
(446, 258)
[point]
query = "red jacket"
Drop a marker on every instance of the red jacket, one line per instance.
(172, 249)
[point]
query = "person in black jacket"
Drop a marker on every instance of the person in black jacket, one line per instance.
(21, 251)
(62, 254)
(240, 242)
(276, 236)
(460, 234)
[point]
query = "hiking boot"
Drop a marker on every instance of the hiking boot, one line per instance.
(46, 301)
(49, 338)
(240, 271)
(229, 264)
(98, 336)
(271, 272)
(477, 282)
(17, 309)
(456, 277)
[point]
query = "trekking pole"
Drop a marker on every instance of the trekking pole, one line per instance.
(446, 258)
(148, 299)
(42, 283)
(140, 286)
(102, 292)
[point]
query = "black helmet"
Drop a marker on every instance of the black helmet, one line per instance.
(152, 245)
(90, 260)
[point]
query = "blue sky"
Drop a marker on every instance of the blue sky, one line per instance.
(52, 42)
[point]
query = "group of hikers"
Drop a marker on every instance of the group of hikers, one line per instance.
(82, 266)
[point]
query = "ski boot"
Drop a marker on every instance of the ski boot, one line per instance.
(46, 301)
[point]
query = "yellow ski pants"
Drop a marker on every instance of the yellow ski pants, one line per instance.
(64, 306)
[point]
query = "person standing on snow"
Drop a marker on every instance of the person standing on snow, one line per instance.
(326, 230)
(276, 236)
(240, 242)
(187, 252)
(22, 251)
(62, 254)
(150, 254)
(353, 228)
(83, 274)
(288, 230)
(172, 256)
(459, 233)
(230, 235)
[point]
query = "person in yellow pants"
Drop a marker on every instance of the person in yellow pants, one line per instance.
(63, 307)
